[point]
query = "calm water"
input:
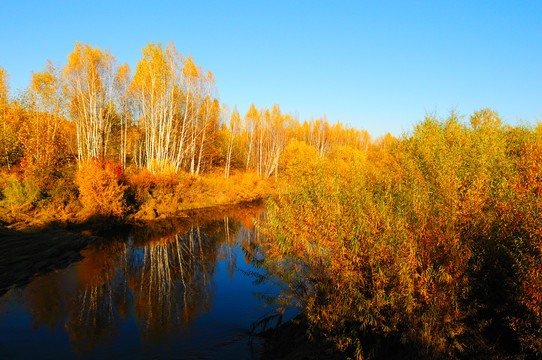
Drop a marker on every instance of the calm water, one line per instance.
(176, 291)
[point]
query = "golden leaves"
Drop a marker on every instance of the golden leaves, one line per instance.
(4, 86)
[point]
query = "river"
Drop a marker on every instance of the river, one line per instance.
(181, 289)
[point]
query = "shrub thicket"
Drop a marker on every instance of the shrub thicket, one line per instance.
(432, 243)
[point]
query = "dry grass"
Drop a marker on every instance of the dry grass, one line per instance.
(163, 198)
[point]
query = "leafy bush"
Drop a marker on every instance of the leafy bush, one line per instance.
(101, 190)
(64, 191)
(299, 159)
(19, 194)
(143, 184)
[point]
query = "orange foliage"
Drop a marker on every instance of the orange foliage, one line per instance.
(417, 239)
(100, 188)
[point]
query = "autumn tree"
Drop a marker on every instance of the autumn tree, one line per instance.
(11, 116)
(232, 128)
(201, 86)
(91, 77)
(209, 118)
(47, 107)
(169, 93)
(125, 110)
(250, 125)
(4, 87)
(155, 89)
(271, 140)
(7, 141)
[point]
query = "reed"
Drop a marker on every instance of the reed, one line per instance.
(431, 243)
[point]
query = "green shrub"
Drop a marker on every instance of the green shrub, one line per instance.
(19, 194)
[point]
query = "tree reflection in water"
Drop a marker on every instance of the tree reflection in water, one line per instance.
(165, 279)
(171, 281)
(94, 316)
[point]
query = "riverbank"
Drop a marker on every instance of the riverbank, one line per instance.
(146, 199)
(25, 255)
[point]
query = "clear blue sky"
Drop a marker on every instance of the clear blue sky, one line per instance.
(379, 65)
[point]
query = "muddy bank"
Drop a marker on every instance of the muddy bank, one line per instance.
(77, 222)
(27, 254)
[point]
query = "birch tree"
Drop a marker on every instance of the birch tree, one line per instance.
(250, 121)
(7, 140)
(4, 87)
(125, 109)
(91, 76)
(169, 93)
(209, 125)
(232, 129)
(156, 86)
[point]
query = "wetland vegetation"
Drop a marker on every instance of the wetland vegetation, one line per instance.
(423, 246)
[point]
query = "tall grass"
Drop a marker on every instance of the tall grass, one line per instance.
(431, 244)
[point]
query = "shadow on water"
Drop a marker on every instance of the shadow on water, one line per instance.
(23, 255)
(170, 289)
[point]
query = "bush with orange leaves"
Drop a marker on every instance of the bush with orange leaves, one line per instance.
(101, 188)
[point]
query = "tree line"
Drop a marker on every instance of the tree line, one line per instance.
(165, 117)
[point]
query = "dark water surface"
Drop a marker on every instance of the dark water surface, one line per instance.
(177, 290)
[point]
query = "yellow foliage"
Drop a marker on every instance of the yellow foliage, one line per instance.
(485, 118)
(163, 167)
(343, 158)
(4, 86)
(100, 189)
(415, 240)
(299, 159)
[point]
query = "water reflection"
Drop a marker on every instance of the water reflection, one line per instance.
(156, 281)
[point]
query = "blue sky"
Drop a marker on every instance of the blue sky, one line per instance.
(380, 66)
